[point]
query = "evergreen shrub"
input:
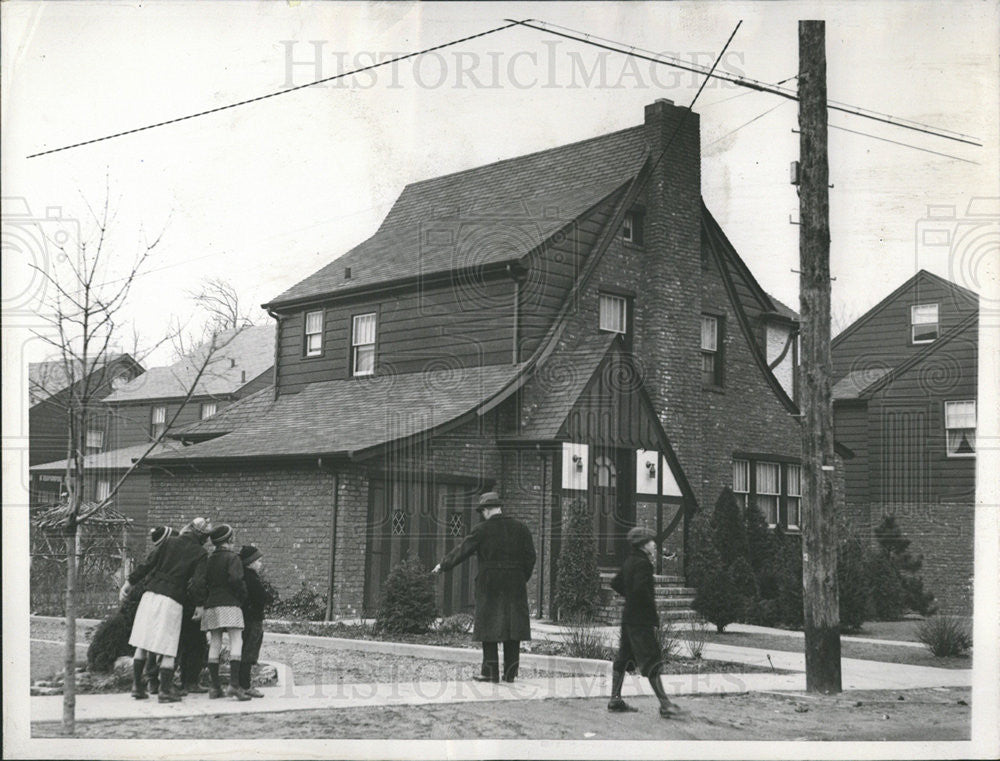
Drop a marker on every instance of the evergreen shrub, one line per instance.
(408, 602)
(578, 583)
(110, 640)
(305, 605)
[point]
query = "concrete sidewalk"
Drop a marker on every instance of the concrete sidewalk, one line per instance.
(592, 680)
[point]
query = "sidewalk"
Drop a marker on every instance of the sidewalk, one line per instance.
(593, 680)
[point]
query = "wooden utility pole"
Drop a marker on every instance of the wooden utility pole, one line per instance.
(819, 524)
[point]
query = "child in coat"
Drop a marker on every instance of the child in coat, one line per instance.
(639, 645)
(259, 599)
(223, 591)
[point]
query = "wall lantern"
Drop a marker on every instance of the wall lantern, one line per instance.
(651, 467)
(578, 462)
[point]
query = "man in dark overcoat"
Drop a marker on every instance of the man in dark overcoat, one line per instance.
(506, 555)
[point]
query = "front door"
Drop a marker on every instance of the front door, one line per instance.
(612, 504)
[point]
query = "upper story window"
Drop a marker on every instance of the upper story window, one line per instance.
(923, 323)
(208, 409)
(711, 357)
(159, 421)
(632, 227)
(314, 333)
(95, 440)
(960, 428)
(103, 489)
(604, 472)
(614, 313)
(363, 344)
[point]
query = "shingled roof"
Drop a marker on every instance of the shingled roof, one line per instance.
(113, 459)
(243, 355)
(228, 419)
(46, 379)
(345, 416)
(489, 214)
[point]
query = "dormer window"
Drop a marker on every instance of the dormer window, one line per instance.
(159, 421)
(632, 227)
(614, 314)
(924, 323)
(363, 344)
(314, 334)
(208, 409)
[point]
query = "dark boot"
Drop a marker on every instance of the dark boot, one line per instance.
(667, 708)
(138, 686)
(616, 704)
(213, 672)
(235, 691)
(490, 671)
(167, 692)
(152, 675)
(511, 659)
(245, 681)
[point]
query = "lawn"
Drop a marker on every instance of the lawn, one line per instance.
(921, 715)
(863, 650)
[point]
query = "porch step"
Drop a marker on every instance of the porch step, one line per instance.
(673, 599)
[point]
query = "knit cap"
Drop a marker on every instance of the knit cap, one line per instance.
(249, 553)
(222, 534)
(160, 534)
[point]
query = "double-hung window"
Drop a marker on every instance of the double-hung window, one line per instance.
(363, 344)
(960, 428)
(159, 424)
(923, 323)
(614, 314)
(632, 227)
(711, 360)
(95, 440)
(741, 481)
(769, 490)
(103, 489)
(793, 500)
(208, 409)
(314, 333)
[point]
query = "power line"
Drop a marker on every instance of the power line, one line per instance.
(905, 145)
(745, 124)
(753, 84)
(276, 93)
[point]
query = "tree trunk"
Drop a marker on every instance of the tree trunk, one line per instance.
(821, 607)
(69, 682)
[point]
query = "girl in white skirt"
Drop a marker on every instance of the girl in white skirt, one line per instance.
(226, 592)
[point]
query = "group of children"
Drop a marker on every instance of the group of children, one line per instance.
(186, 587)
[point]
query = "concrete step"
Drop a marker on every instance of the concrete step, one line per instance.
(607, 576)
(675, 591)
(674, 602)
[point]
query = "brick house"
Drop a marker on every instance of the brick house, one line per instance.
(131, 415)
(905, 403)
(570, 323)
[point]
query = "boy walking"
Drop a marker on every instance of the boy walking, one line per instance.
(639, 646)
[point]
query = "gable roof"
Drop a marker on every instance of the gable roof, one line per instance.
(243, 354)
(46, 379)
(853, 385)
(228, 419)
(485, 215)
(346, 416)
(962, 294)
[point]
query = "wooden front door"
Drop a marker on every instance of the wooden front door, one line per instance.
(612, 504)
(422, 519)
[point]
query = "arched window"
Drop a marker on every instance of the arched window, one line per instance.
(604, 472)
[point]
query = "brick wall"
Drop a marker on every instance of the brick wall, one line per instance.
(941, 533)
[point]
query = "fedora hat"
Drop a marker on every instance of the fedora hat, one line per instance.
(489, 499)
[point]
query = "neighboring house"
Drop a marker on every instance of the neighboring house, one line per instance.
(567, 324)
(135, 412)
(51, 388)
(905, 402)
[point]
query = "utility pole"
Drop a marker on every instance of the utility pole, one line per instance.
(819, 525)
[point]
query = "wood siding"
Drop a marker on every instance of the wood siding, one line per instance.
(948, 374)
(554, 269)
(851, 430)
(883, 340)
(131, 424)
(466, 323)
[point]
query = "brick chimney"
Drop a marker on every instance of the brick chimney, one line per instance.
(669, 306)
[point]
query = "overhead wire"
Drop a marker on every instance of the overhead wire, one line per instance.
(619, 47)
(275, 93)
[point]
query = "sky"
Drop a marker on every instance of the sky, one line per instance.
(265, 194)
